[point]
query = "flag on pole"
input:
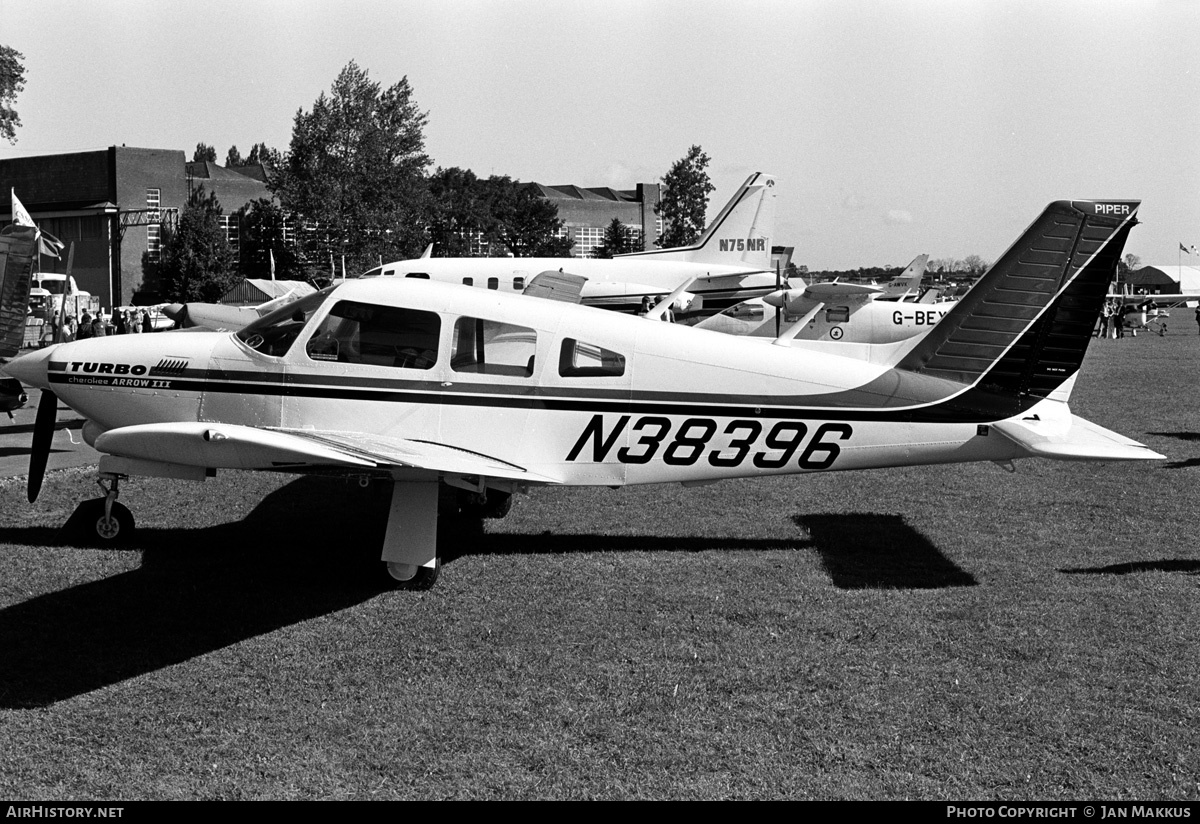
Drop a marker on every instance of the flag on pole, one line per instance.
(272, 253)
(19, 215)
(1183, 248)
(48, 244)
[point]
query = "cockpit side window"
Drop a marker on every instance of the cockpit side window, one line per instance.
(489, 347)
(577, 359)
(275, 332)
(391, 336)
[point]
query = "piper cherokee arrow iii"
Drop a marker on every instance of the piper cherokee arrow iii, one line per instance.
(424, 384)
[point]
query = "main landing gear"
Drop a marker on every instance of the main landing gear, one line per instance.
(100, 521)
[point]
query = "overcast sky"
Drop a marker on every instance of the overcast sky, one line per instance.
(893, 128)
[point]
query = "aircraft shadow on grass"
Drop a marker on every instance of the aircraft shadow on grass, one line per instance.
(1183, 565)
(870, 551)
(202, 589)
(1182, 436)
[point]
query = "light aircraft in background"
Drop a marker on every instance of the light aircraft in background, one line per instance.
(730, 263)
(218, 317)
(1149, 313)
(428, 386)
(906, 286)
(837, 312)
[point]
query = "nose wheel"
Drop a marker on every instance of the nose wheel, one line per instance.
(100, 521)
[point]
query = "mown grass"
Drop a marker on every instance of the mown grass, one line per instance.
(934, 633)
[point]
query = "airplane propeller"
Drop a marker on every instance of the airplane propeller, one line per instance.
(43, 434)
(47, 411)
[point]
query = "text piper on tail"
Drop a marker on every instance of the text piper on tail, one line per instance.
(423, 384)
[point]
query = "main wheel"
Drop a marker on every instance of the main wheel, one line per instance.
(89, 526)
(410, 576)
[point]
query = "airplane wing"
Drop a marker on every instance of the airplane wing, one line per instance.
(558, 285)
(798, 302)
(230, 446)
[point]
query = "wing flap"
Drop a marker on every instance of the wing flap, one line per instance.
(435, 457)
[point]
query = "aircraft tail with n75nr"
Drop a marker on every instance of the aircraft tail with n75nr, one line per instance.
(740, 235)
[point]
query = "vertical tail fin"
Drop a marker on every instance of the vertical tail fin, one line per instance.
(907, 282)
(740, 235)
(1024, 327)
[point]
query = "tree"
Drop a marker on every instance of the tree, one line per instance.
(204, 152)
(619, 239)
(12, 82)
(684, 200)
(196, 263)
(523, 222)
(460, 212)
(261, 154)
(233, 158)
(355, 170)
(975, 265)
(263, 228)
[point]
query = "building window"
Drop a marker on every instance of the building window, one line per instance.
(587, 238)
(153, 198)
(229, 225)
(153, 242)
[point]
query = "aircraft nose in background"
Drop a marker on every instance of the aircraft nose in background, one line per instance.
(31, 369)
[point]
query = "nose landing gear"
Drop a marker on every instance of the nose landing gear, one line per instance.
(100, 521)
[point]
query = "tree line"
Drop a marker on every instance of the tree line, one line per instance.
(353, 190)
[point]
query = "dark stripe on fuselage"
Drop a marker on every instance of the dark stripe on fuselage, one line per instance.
(971, 406)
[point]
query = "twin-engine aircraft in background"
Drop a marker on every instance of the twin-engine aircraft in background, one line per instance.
(730, 263)
(838, 312)
(427, 385)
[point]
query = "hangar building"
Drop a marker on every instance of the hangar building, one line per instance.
(112, 204)
(1166, 280)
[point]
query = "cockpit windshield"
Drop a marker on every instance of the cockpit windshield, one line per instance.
(274, 333)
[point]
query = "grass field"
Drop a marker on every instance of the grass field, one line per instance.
(950, 632)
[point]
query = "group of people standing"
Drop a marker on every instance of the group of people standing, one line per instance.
(1112, 319)
(123, 323)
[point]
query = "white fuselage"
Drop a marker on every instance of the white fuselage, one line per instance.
(876, 321)
(618, 283)
(684, 405)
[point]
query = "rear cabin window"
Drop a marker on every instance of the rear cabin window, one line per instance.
(493, 283)
(488, 347)
(468, 281)
(418, 275)
(587, 360)
(837, 314)
(389, 336)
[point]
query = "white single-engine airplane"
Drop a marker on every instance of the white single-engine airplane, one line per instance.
(426, 384)
(730, 263)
